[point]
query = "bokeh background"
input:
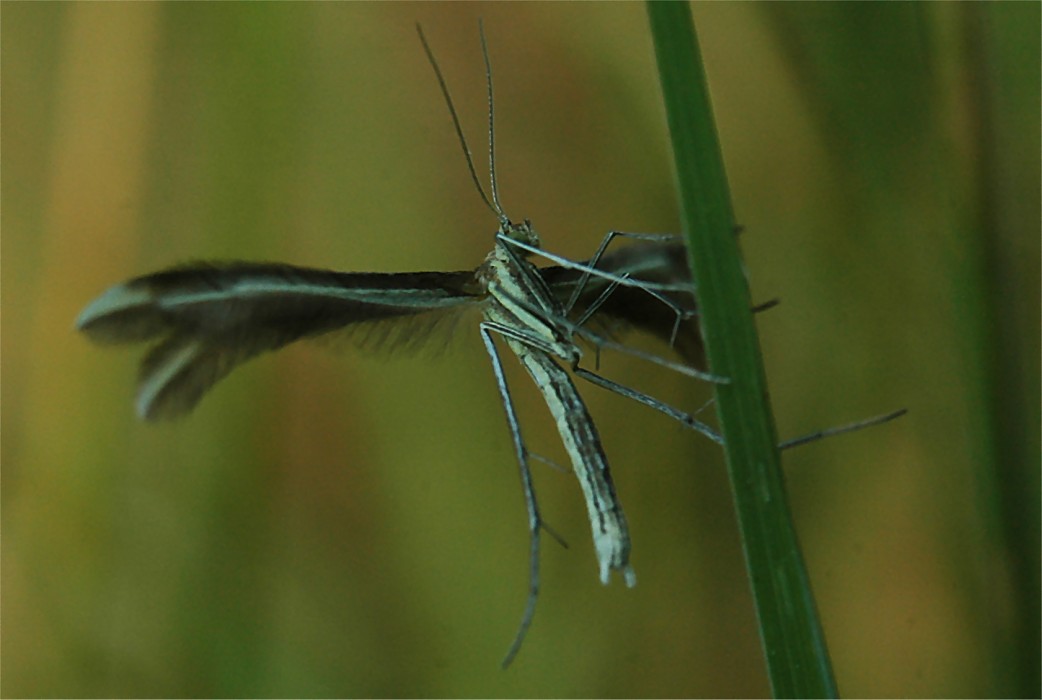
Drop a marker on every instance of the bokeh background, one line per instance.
(343, 524)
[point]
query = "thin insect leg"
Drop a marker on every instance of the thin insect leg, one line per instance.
(578, 328)
(582, 443)
(535, 341)
(651, 288)
(520, 335)
(547, 461)
(676, 414)
(603, 342)
(596, 304)
(707, 404)
(580, 439)
(605, 242)
(839, 430)
(542, 304)
(535, 523)
(654, 289)
(679, 313)
(600, 301)
(600, 341)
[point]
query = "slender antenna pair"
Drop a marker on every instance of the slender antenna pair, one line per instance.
(493, 203)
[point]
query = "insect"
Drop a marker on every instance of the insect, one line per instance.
(206, 319)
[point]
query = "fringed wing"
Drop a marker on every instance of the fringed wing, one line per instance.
(209, 318)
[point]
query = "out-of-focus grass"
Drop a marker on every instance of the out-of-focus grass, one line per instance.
(337, 525)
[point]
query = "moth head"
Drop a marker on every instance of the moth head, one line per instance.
(522, 232)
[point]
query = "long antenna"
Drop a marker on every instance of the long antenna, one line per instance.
(491, 120)
(492, 204)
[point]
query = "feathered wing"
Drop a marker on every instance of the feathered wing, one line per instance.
(206, 319)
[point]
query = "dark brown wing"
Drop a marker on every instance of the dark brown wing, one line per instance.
(209, 318)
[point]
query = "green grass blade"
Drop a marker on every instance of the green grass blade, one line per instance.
(797, 658)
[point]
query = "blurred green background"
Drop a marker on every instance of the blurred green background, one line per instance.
(339, 524)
